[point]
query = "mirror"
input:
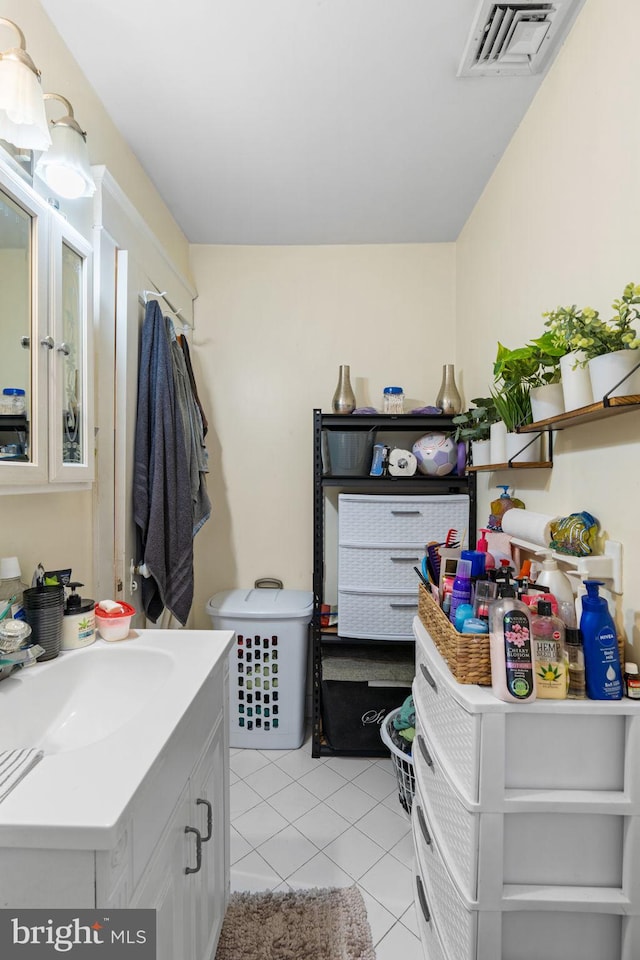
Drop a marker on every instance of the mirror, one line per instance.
(72, 349)
(16, 264)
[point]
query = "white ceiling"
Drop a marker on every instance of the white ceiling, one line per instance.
(299, 121)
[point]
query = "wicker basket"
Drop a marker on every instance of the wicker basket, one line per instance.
(467, 655)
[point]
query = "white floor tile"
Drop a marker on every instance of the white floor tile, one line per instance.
(293, 802)
(259, 824)
(380, 919)
(233, 777)
(354, 852)
(350, 802)
(252, 873)
(271, 756)
(404, 850)
(287, 851)
(386, 763)
(399, 942)
(320, 871)
(384, 826)
(298, 762)
(322, 782)
(390, 882)
(410, 920)
(239, 846)
(268, 780)
(243, 798)
(245, 762)
(377, 782)
(322, 825)
(348, 767)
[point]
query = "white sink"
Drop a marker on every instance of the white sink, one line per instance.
(71, 702)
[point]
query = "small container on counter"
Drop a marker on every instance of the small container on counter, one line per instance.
(79, 623)
(13, 401)
(113, 620)
(393, 400)
(631, 681)
(573, 645)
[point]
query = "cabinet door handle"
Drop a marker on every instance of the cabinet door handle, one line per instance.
(47, 342)
(198, 850)
(422, 897)
(425, 753)
(425, 673)
(405, 559)
(64, 348)
(423, 827)
(209, 807)
(405, 513)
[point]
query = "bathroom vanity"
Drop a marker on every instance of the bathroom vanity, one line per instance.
(129, 806)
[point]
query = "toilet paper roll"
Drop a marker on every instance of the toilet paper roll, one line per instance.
(402, 463)
(529, 526)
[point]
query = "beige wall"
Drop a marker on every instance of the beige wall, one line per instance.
(272, 326)
(560, 223)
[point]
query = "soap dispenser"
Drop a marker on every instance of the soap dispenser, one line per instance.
(79, 622)
(552, 577)
(601, 655)
(483, 546)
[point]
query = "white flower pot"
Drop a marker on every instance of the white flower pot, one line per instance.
(547, 401)
(521, 450)
(576, 383)
(481, 453)
(498, 433)
(606, 371)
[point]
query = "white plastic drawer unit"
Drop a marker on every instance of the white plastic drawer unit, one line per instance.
(380, 540)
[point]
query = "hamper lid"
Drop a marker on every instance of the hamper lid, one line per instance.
(261, 603)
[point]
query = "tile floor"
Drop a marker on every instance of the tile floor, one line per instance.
(297, 823)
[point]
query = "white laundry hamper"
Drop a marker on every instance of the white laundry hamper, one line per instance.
(267, 664)
(402, 763)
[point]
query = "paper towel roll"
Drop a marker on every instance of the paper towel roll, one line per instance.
(402, 463)
(527, 525)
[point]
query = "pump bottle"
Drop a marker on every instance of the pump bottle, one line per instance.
(601, 657)
(552, 577)
(511, 650)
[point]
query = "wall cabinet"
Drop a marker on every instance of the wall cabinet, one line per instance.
(45, 295)
(525, 821)
(381, 535)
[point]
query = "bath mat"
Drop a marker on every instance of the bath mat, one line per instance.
(328, 924)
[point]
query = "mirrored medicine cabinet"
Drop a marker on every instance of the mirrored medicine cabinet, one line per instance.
(46, 416)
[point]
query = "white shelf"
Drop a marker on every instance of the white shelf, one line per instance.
(569, 801)
(606, 566)
(578, 899)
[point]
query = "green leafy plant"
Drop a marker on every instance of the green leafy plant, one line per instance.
(475, 423)
(535, 364)
(513, 404)
(584, 331)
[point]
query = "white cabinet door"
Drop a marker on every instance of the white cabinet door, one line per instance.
(164, 889)
(209, 805)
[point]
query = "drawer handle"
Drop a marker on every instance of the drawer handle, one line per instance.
(425, 673)
(209, 807)
(198, 850)
(405, 559)
(423, 827)
(425, 753)
(404, 606)
(422, 897)
(405, 513)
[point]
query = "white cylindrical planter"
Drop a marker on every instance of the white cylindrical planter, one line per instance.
(606, 371)
(547, 401)
(498, 433)
(576, 383)
(481, 454)
(517, 449)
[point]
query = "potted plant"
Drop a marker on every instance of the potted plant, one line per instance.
(473, 427)
(513, 405)
(537, 364)
(570, 328)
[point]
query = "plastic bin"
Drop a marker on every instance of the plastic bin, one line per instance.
(402, 764)
(267, 664)
(350, 452)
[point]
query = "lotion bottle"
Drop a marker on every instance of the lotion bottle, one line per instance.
(552, 577)
(601, 657)
(549, 650)
(511, 648)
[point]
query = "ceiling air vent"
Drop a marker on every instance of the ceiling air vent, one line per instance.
(516, 39)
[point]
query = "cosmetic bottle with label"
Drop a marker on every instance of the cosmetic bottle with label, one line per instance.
(512, 656)
(549, 651)
(601, 656)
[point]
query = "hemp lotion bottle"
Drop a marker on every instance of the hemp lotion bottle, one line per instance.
(510, 644)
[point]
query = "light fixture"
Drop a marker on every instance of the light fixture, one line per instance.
(65, 166)
(22, 118)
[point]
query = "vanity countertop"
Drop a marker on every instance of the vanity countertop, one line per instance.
(103, 715)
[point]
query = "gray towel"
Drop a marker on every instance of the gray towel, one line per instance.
(162, 501)
(14, 765)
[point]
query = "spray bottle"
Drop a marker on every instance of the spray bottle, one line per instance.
(601, 657)
(552, 577)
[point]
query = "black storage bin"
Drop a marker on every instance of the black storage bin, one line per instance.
(352, 712)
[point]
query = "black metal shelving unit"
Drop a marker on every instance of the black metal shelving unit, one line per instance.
(418, 484)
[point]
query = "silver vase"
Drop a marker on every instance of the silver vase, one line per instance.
(448, 398)
(344, 399)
